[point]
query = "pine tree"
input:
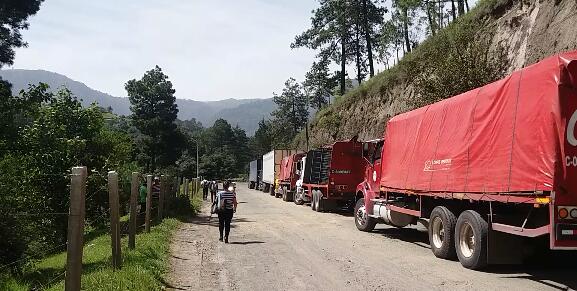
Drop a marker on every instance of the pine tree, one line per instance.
(154, 113)
(13, 19)
(329, 34)
(319, 84)
(292, 112)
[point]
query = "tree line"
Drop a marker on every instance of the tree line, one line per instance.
(44, 133)
(345, 34)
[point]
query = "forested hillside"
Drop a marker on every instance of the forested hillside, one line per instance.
(493, 39)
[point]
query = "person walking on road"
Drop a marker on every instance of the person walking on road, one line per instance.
(226, 201)
(204, 185)
(213, 189)
(142, 193)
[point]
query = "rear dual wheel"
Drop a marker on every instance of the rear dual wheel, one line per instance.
(314, 200)
(464, 237)
(318, 204)
(441, 232)
(471, 234)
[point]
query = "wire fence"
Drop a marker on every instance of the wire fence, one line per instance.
(97, 213)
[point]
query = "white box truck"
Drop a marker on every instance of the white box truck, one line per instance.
(271, 162)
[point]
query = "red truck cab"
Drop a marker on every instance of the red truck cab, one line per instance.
(369, 188)
(288, 176)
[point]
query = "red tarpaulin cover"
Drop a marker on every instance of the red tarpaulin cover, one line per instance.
(513, 135)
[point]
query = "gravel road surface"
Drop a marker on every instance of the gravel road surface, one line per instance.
(276, 245)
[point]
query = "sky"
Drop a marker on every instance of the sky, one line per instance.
(210, 49)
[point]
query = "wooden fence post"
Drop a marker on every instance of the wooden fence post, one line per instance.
(186, 182)
(135, 184)
(180, 182)
(177, 185)
(75, 238)
(161, 197)
(194, 188)
(148, 202)
(114, 220)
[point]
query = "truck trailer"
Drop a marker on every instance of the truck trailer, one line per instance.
(330, 175)
(255, 174)
(491, 172)
(288, 176)
(271, 163)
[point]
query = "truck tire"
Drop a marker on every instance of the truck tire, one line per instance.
(297, 199)
(442, 232)
(321, 204)
(314, 200)
(271, 189)
(251, 185)
(471, 240)
(363, 222)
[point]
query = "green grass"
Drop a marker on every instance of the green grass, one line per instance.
(142, 269)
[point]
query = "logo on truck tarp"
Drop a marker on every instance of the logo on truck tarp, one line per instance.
(438, 165)
(571, 129)
(571, 161)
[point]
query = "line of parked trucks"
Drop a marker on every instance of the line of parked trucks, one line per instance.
(491, 173)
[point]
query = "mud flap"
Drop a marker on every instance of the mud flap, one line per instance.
(290, 195)
(504, 248)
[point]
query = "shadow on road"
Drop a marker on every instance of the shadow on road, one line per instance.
(552, 269)
(558, 277)
(246, 242)
(213, 220)
(410, 235)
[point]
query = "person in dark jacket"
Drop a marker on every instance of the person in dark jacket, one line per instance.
(213, 189)
(205, 185)
(226, 201)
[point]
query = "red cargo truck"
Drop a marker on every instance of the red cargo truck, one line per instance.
(289, 174)
(488, 171)
(330, 175)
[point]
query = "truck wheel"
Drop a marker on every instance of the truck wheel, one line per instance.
(297, 199)
(320, 202)
(442, 232)
(290, 196)
(271, 188)
(314, 201)
(471, 240)
(362, 220)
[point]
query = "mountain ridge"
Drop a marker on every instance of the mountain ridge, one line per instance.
(242, 112)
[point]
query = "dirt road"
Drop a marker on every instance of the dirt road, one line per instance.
(278, 245)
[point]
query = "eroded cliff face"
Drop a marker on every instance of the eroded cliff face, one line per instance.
(527, 30)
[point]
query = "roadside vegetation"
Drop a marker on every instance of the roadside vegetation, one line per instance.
(143, 268)
(44, 132)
